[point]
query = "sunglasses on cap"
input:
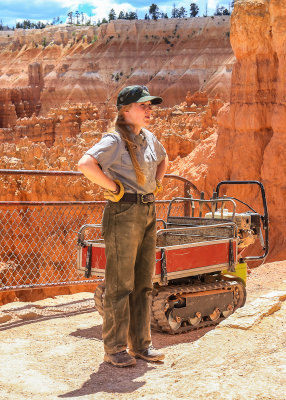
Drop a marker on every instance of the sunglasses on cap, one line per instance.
(136, 94)
(139, 90)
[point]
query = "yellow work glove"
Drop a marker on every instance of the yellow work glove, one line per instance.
(159, 187)
(109, 195)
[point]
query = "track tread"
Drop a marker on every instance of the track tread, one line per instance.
(159, 320)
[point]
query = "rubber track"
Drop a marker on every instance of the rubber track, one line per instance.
(159, 320)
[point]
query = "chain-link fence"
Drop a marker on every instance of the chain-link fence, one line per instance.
(39, 239)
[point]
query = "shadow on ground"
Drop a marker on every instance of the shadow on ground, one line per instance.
(120, 382)
(123, 381)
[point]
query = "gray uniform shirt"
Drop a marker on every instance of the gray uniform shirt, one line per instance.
(113, 157)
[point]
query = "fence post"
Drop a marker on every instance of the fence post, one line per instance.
(187, 204)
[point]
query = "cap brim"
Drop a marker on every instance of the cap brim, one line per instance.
(153, 99)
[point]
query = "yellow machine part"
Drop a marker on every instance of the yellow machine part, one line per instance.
(240, 271)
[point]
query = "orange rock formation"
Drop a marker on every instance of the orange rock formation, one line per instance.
(59, 139)
(247, 145)
(251, 135)
(82, 64)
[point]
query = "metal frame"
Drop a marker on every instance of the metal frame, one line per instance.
(100, 272)
(264, 218)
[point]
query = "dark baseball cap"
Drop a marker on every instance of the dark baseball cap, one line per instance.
(136, 94)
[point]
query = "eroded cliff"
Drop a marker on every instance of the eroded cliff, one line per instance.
(247, 145)
(58, 140)
(78, 64)
(252, 134)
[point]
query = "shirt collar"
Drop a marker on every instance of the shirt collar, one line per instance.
(139, 139)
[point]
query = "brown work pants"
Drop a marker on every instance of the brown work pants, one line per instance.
(129, 231)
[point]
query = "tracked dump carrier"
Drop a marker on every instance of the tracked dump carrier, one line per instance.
(200, 272)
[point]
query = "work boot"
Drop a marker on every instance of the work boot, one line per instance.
(149, 354)
(121, 359)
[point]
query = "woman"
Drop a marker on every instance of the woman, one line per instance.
(130, 164)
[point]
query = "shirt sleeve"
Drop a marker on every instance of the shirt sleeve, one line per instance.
(159, 149)
(105, 150)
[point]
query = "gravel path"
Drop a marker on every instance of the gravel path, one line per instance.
(52, 349)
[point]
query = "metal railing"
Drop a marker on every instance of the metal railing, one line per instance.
(39, 238)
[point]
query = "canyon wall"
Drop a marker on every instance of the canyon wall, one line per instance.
(57, 93)
(82, 64)
(252, 131)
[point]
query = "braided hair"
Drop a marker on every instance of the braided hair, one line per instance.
(122, 128)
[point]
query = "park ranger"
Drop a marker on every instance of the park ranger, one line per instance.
(129, 163)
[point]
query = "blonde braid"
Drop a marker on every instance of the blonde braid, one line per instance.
(122, 128)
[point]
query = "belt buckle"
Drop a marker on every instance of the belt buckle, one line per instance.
(142, 199)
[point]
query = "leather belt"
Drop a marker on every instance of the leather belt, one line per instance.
(138, 198)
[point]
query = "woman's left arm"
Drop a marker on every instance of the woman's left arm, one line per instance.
(161, 169)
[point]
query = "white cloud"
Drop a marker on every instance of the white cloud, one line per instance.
(212, 3)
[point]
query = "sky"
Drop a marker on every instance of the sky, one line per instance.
(12, 11)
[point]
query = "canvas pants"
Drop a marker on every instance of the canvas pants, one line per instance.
(129, 231)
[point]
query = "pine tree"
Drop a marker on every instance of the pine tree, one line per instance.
(206, 12)
(154, 11)
(182, 12)
(111, 15)
(70, 15)
(175, 11)
(132, 15)
(77, 17)
(194, 9)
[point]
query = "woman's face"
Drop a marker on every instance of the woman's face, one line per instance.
(138, 115)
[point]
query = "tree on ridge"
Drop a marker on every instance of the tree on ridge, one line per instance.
(77, 16)
(194, 9)
(175, 11)
(70, 15)
(154, 11)
(111, 15)
(182, 13)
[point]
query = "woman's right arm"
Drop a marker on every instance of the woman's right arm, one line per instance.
(92, 171)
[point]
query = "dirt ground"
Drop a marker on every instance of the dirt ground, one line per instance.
(52, 349)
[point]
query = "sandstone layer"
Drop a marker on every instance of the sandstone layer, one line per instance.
(78, 65)
(251, 136)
